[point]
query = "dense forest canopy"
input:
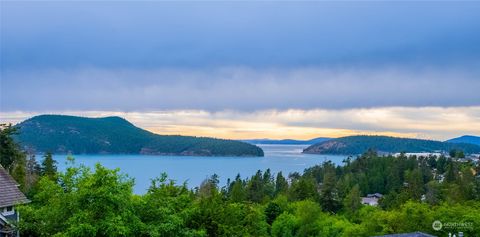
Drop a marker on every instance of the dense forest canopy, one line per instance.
(354, 145)
(324, 200)
(115, 135)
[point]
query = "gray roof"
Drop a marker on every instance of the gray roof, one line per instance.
(378, 195)
(9, 192)
(414, 234)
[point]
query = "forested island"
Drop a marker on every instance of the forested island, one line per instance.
(354, 145)
(114, 135)
(324, 200)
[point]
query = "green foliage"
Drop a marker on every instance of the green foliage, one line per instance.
(286, 225)
(323, 201)
(82, 203)
(303, 188)
(14, 160)
(78, 135)
(166, 209)
(456, 153)
(307, 213)
(272, 211)
(19, 171)
(239, 219)
(9, 150)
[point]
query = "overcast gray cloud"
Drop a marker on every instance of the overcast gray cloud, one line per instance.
(239, 88)
(149, 55)
(151, 34)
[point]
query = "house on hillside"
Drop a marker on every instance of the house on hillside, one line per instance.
(371, 199)
(10, 197)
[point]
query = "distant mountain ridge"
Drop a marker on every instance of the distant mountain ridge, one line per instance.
(353, 145)
(466, 139)
(286, 141)
(115, 135)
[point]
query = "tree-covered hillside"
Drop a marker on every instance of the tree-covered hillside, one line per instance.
(466, 139)
(358, 144)
(115, 135)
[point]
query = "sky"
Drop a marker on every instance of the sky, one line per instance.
(247, 69)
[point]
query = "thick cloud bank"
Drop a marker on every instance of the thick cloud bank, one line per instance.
(242, 89)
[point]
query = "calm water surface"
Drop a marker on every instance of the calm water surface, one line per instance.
(193, 169)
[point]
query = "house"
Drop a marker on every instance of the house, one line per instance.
(375, 195)
(414, 234)
(372, 199)
(10, 196)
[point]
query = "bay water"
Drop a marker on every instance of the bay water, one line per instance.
(195, 169)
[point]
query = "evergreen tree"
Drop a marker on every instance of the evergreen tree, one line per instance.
(329, 195)
(456, 153)
(33, 171)
(237, 193)
(433, 195)
(9, 149)
(415, 183)
(49, 166)
(255, 188)
(268, 184)
(19, 171)
(451, 172)
(352, 201)
(467, 183)
(441, 164)
(209, 187)
(281, 184)
(303, 188)
(345, 184)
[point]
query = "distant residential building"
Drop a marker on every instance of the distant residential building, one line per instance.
(377, 195)
(472, 158)
(440, 178)
(10, 196)
(420, 154)
(371, 199)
